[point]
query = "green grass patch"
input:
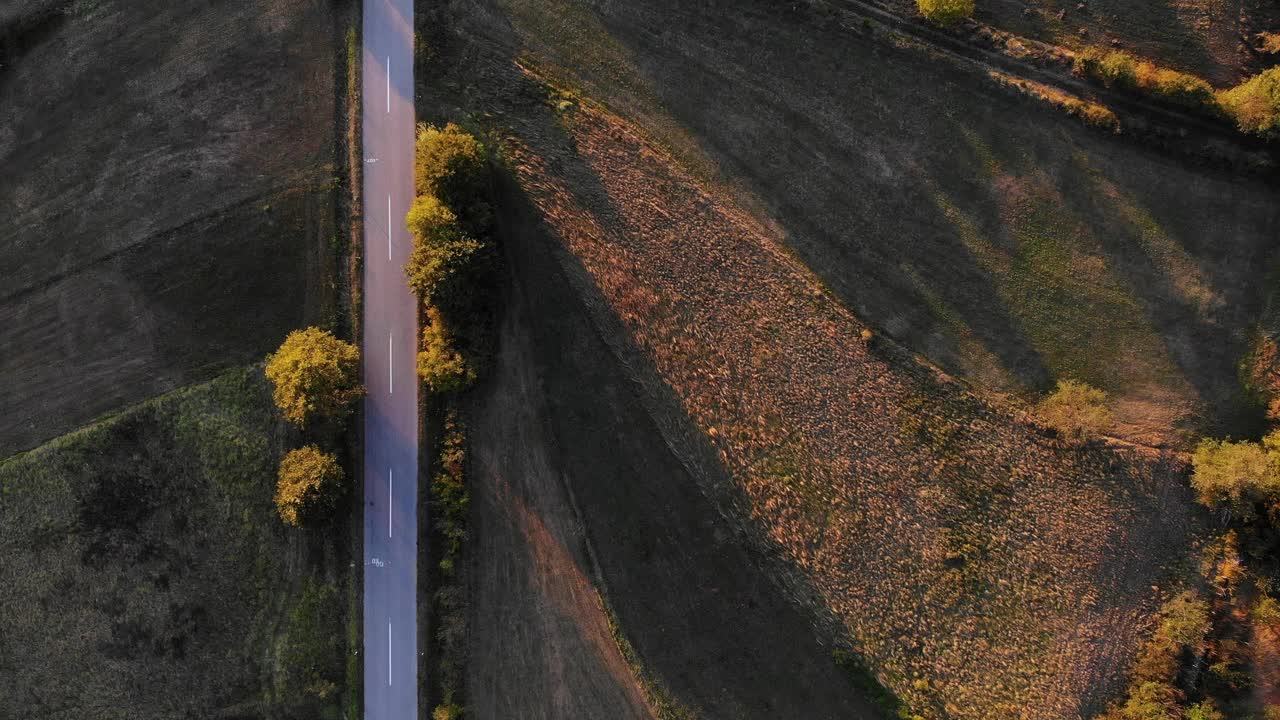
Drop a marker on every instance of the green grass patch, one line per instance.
(142, 557)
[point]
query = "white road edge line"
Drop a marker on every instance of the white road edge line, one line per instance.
(388, 227)
(391, 378)
(388, 83)
(388, 652)
(390, 485)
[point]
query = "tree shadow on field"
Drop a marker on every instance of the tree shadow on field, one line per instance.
(691, 590)
(1175, 44)
(1181, 298)
(687, 586)
(847, 143)
(836, 168)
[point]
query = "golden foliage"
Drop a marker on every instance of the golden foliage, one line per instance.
(450, 165)
(1255, 103)
(315, 375)
(1075, 409)
(1237, 475)
(1119, 69)
(946, 12)
(440, 365)
(1270, 42)
(441, 253)
(307, 484)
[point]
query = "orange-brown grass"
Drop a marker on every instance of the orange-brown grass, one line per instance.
(984, 569)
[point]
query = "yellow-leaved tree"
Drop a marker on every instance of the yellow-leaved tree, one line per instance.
(441, 254)
(451, 165)
(440, 365)
(308, 485)
(315, 375)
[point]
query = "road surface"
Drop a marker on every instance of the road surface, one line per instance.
(390, 333)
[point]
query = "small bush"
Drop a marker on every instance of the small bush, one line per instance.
(307, 486)
(442, 253)
(447, 711)
(440, 365)
(1204, 711)
(1261, 374)
(1182, 89)
(1184, 623)
(1075, 409)
(1093, 114)
(1267, 612)
(1255, 103)
(945, 12)
(1270, 42)
(315, 375)
(1113, 68)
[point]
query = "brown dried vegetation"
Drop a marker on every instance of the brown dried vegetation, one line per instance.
(983, 569)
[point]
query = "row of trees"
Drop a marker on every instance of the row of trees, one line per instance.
(1199, 664)
(315, 378)
(450, 223)
(1254, 104)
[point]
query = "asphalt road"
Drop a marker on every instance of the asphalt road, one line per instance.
(390, 333)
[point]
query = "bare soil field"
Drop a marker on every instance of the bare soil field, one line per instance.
(1011, 246)
(145, 575)
(167, 195)
(984, 568)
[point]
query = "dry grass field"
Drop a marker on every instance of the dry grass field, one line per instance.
(145, 575)
(167, 195)
(1008, 245)
(775, 185)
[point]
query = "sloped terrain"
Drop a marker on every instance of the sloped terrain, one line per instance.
(575, 483)
(1009, 245)
(984, 568)
(166, 194)
(144, 572)
(1215, 39)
